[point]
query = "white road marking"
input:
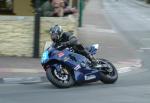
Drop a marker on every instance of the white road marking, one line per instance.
(145, 48)
(124, 70)
(145, 39)
(128, 65)
(140, 50)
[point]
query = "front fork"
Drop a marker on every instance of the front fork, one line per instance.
(60, 69)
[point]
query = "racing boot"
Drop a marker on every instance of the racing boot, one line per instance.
(94, 62)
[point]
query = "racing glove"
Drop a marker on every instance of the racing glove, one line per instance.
(65, 44)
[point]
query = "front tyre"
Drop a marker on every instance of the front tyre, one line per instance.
(109, 73)
(61, 79)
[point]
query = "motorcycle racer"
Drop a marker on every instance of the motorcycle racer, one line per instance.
(67, 39)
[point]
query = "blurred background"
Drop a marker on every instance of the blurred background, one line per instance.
(121, 27)
(20, 34)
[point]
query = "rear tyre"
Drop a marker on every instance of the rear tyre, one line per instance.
(109, 73)
(60, 80)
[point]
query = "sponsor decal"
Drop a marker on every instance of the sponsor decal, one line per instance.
(60, 54)
(77, 67)
(89, 77)
(66, 59)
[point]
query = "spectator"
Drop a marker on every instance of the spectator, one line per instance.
(66, 3)
(56, 8)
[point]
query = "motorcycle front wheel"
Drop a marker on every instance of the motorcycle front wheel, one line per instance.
(108, 72)
(59, 79)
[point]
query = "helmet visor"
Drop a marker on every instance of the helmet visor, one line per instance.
(54, 37)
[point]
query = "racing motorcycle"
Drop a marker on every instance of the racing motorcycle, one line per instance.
(65, 68)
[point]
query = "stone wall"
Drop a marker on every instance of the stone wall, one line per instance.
(16, 33)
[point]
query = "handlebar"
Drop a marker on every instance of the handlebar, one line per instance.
(64, 47)
(59, 46)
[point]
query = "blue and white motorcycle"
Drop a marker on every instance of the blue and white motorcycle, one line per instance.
(65, 68)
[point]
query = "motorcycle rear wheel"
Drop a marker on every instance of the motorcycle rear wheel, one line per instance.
(109, 74)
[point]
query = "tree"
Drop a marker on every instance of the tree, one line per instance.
(33, 2)
(147, 1)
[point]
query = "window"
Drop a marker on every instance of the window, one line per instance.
(6, 7)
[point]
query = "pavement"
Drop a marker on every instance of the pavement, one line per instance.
(21, 70)
(96, 29)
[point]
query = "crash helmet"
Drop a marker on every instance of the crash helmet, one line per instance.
(56, 32)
